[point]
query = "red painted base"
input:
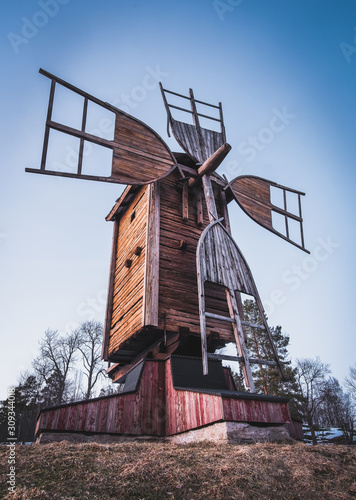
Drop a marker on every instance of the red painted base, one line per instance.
(152, 405)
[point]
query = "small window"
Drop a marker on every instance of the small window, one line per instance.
(133, 215)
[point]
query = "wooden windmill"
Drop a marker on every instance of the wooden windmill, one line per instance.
(176, 274)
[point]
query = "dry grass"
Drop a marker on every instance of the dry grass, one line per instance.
(162, 470)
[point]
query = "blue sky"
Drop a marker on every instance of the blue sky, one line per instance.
(295, 58)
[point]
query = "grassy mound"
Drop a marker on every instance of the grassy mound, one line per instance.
(162, 470)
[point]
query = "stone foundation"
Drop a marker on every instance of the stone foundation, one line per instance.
(234, 432)
(220, 432)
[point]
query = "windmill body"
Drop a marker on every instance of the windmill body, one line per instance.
(176, 279)
(153, 293)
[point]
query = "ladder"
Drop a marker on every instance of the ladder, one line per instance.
(220, 261)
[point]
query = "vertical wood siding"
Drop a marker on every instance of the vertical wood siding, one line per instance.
(158, 409)
(127, 309)
(178, 292)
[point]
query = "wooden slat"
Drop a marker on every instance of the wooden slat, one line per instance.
(110, 296)
(47, 129)
(253, 325)
(239, 339)
(219, 317)
(185, 202)
(139, 154)
(198, 142)
(127, 296)
(81, 146)
(252, 193)
(151, 279)
(199, 207)
(225, 357)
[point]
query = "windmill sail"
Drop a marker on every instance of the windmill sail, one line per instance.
(254, 195)
(198, 142)
(220, 261)
(134, 144)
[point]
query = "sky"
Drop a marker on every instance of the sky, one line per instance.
(262, 59)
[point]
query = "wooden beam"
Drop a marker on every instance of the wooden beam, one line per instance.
(262, 362)
(81, 135)
(185, 202)
(201, 295)
(110, 297)
(81, 146)
(219, 317)
(211, 164)
(253, 325)
(172, 339)
(47, 129)
(239, 339)
(225, 357)
(151, 283)
(200, 213)
(225, 212)
(73, 176)
(121, 201)
(269, 335)
(240, 359)
(209, 198)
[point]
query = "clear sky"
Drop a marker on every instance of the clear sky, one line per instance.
(261, 58)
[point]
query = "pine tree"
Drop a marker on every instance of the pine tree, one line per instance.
(267, 378)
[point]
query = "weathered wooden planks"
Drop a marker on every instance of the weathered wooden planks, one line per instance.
(157, 408)
(200, 143)
(253, 194)
(139, 154)
(138, 413)
(128, 288)
(151, 283)
(178, 293)
(110, 296)
(187, 136)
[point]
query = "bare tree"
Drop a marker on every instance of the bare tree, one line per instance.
(350, 382)
(311, 375)
(90, 334)
(54, 363)
(337, 409)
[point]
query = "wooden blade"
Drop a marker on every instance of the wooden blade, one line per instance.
(253, 194)
(140, 155)
(188, 138)
(220, 261)
(198, 142)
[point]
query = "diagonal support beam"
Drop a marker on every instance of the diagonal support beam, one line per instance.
(210, 165)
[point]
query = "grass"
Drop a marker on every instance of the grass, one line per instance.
(160, 470)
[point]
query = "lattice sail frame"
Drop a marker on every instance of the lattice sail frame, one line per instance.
(134, 144)
(198, 142)
(220, 261)
(253, 195)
